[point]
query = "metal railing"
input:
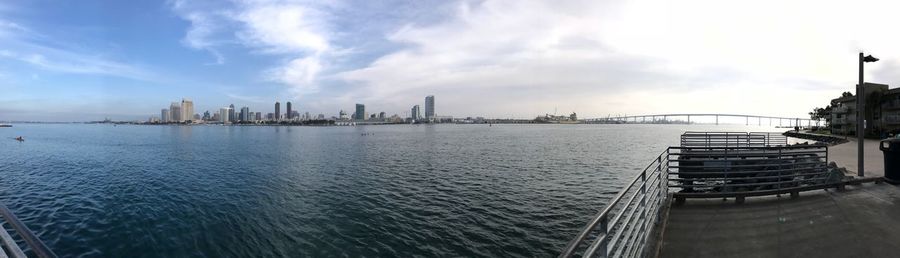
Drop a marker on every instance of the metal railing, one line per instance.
(10, 247)
(747, 171)
(623, 227)
(732, 139)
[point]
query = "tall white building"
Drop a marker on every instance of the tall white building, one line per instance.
(187, 110)
(224, 113)
(429, 107)
(175, 114)
(164, 115)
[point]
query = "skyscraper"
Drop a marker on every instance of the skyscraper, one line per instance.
(224, 113)
(245, 114)
(429, 107)
(164, 115)
(175, 114)
(415, 113)
(231, 117)
(290, 116)
(277, 111)
(360, 112)
(187, 110)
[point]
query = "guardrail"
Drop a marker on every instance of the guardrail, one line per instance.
(732, 139)
(10, 247)
(624, 225)
(710, 172)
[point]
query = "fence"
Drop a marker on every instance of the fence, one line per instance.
(702, 172)
(623, 226)
(732, 139)
(10, 247)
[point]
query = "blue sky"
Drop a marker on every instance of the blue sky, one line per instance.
(86, 60)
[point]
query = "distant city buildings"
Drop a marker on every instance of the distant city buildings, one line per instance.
(183, 112)
(360, 112)
(175, 114)
(415, 113)
(290, 113)
(224, 114)
(187, 111)
(231, 111)
(277, 111)
(429, 107)
(164, 116)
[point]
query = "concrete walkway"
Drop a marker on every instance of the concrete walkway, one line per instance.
(845, 156)
(862, 221)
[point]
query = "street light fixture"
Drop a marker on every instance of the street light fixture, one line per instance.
(860, 110)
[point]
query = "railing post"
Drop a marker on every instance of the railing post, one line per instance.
(604, 243)
(663, 180)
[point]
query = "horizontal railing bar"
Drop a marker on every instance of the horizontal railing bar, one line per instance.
(750, 184)
(38, 247)
(744, 172)
(745, 166)
(743, 178)
(13, 248)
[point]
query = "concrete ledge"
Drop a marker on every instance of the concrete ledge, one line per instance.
(827, 139)
(793, 191)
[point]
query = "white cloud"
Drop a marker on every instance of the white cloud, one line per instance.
(779, 58)
(296, 31)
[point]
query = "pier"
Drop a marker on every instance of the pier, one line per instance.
(740, 195)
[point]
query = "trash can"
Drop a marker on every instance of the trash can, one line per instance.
(891, 150)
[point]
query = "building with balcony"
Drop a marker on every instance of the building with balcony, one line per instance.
(844, 111)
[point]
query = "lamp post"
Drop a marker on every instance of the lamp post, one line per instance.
(860, 110)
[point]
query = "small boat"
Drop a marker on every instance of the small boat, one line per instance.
(2, 125)
(20, 139)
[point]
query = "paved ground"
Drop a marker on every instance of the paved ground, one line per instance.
(862, 221)
(845, 156)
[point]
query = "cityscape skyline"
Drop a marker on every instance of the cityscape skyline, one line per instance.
(86, 60)
(184, 113)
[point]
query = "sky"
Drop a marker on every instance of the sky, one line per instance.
(126, 60)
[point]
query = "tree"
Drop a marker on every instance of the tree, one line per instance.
(846, 94)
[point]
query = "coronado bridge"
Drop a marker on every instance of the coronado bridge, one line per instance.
(748, 119)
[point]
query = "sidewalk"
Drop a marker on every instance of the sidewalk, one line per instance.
(845, 156)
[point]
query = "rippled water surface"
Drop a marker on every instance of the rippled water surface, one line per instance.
(217, 191)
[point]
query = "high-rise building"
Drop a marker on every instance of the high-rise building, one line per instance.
(245, 114)
(290, 116)
(187, 110)
(258, 116)
(225, 113)
(295, 114)
(382, 115)
(175, 114)
(360, 112)
(277, 110)
(429, 107)
(231, 117)
(342, 115)
(415, 113)
(164, 115)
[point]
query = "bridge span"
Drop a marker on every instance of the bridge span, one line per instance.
(686, 118)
